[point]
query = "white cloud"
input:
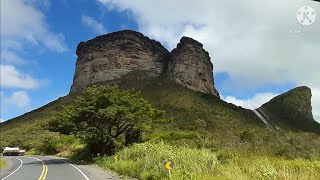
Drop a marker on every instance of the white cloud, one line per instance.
(249, 39)
(15, 103)
(252, 103)
(21, 22)
(2, 120)
(315, 103)
(13, 78)
(19, 98)
(93, 24)
(23, 27)
(44, 3)
(9, 57)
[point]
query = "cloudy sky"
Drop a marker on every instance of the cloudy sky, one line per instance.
(258, 48)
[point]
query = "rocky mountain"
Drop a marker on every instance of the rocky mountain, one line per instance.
(190, 65)
(292, 108)
(107, 58)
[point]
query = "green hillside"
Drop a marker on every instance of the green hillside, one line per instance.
(200, 122)
(294, 109)
(29, 130)
(195, 119)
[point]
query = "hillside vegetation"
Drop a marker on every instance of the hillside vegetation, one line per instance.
(294, 109)
(204, 136)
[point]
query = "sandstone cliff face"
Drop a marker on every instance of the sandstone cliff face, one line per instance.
(190, 66)
(105, 59)
(108, 57)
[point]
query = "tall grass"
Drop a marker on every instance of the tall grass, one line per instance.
(269, 168)
(147, 160)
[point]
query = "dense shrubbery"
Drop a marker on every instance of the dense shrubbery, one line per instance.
(62, 145)
(105, 118)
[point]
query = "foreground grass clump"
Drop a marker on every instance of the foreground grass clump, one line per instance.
(147, 160)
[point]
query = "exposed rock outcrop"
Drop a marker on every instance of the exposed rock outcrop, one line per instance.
(293, 108)
(190, 66)
(107, 58)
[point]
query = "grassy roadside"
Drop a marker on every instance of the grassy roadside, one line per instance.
(2, 163)
(147, 160)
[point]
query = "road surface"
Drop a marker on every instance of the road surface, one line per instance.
(49, 168)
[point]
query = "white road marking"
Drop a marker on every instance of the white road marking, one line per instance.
(44, 167)
(15, 169)
(83, 174)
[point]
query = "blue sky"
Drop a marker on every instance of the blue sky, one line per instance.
(254, 55)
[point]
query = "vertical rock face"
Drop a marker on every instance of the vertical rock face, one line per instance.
(106, 58)
(190, 66)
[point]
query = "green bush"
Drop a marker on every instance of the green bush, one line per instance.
(224, 157)
(248, 136)
(62, 145)
(103, 115)
(133, 135)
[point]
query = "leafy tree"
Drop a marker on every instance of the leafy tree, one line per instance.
(16, 143)
(102, 115)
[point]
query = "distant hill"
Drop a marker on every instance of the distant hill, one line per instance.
(293, 108)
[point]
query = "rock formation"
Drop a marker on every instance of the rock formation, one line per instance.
(107, 58)
(190, 66)
(293, 108)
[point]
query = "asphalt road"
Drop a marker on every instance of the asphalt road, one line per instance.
(49, 168)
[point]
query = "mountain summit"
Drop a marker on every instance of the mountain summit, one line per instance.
(293, 108)
(108, 58)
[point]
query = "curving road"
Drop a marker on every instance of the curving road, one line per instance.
(49, 168)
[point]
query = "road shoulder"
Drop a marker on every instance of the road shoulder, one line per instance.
(11, 165)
